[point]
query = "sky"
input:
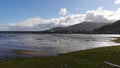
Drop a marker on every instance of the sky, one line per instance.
(45, 14)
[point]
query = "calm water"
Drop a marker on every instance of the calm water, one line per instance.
(23, 45)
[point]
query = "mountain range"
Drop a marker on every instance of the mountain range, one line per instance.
(113, 28)
(84, 27)
(79, 28)
(90, 27)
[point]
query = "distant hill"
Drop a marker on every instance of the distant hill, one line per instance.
(111, 28)
(86, 26)
(81, 27)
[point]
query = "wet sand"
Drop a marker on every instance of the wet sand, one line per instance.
(29, 52)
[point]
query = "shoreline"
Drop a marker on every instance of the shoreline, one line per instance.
(91, 58)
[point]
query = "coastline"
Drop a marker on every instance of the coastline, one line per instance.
(91, 58)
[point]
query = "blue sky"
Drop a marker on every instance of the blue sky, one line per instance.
(15, 11)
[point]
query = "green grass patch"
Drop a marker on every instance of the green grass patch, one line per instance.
(117, 40)
(91, 58)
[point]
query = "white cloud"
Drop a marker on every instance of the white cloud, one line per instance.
(117, 2)
(77, 9)
(63, 11)
(104, 15)
(37, 23)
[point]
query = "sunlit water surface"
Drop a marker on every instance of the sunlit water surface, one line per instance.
(28, 45)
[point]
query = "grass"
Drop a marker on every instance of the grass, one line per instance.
(117, 40)
(91, 58)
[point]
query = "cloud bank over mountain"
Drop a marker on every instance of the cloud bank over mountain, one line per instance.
(38, 23)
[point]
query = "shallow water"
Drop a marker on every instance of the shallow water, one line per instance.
(24, 45)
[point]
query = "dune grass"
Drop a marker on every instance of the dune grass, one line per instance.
(91, 58)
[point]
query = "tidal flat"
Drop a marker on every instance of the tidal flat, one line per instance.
(90, 58)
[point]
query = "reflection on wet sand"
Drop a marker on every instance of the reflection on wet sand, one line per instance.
(29, 52)
(44, 51)
(28, 45)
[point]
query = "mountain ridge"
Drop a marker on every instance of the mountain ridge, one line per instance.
(111, 28)
(80, 27)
